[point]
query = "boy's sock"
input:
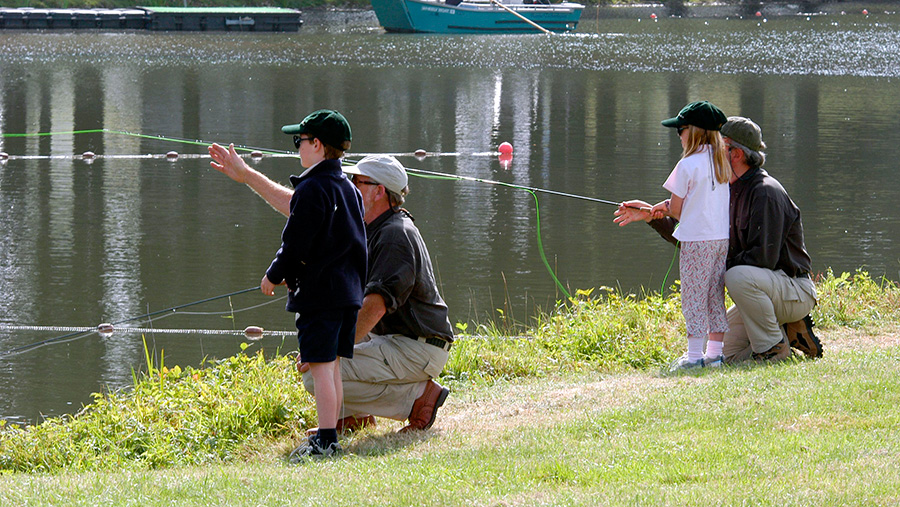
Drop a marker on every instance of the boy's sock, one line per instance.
(695, 349)
(327, 436)
(713, 349)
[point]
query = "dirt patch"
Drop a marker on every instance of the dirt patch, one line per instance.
(857, 339)
(483, 412)
(514, 404)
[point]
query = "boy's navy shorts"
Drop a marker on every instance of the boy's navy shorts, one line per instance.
(325, 335)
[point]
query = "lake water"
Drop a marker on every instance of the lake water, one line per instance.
(120, 237)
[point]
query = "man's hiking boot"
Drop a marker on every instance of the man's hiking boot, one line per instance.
(779, 352)
(349, 424)
(314, 449)
(425, 408)
(801, 336)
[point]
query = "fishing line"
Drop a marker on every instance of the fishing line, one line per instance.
(421, 172)
(415, 172)
(44, 134)
(537, 210)
(662, 287)
(254, 151)
(200, 142)
(74, 335)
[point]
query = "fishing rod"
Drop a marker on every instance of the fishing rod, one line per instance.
(510, 185)
(108, 328)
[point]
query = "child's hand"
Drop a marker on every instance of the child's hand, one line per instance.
(267, 287)
(660, 210)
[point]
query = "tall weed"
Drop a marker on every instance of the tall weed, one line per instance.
(856, 300)
(171, 416)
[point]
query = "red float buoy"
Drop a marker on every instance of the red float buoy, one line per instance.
(505, 148)
(653, 16)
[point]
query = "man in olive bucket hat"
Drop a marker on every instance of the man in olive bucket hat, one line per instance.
(767, 265)
(403, 332)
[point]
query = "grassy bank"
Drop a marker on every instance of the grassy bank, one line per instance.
(574, 414)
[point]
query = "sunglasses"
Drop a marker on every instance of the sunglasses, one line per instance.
(298, 140)
(355, 179)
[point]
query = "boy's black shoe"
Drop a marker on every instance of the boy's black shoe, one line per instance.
(314, 449)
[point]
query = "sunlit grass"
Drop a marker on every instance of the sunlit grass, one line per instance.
(171, 416)
(797, 433)
(245, 408)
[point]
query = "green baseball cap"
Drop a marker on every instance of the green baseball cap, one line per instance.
(744, 132)
(699, 114)
(326, 125)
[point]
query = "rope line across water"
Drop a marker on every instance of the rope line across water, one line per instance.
(147, 330)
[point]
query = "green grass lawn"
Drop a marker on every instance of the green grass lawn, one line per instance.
(569, 432)
(799, 433)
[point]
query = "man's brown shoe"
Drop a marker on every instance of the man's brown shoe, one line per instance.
(349, 424)
(424, 409)
(779, 352)
(801, 336)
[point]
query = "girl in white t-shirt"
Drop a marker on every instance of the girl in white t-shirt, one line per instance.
(700, 195)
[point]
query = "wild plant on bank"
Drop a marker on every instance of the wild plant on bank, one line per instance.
(171, 416)
(856, 300)
(607, 332)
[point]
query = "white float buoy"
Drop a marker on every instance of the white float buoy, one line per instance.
(172, 155)
(253, 332)
(256, 154)
(4, 155)
(106, 329)
(88, 155)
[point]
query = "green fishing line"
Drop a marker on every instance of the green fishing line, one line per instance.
(414, 172)
(537, 212)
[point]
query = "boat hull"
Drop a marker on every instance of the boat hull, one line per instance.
(429, 16)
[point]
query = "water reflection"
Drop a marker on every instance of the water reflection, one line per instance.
(122, 223)
(87, 243)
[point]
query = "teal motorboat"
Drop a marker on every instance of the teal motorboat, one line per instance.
(476, 16)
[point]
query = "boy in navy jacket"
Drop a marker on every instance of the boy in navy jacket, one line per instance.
(322, 260)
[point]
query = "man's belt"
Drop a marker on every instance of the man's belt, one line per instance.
(437, 342)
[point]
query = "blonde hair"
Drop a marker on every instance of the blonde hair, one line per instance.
(697, 137)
